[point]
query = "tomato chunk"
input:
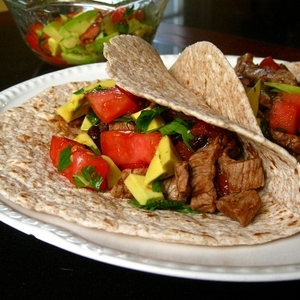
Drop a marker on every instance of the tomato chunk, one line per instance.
(109, 104)
(269, 63)
(71, 158)
(129, 149)
(284, 117)
(285, 113)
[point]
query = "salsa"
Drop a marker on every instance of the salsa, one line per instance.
(78, 37)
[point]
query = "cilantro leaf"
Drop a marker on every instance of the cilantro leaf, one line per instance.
(146, 116)
(92, 117)
(157, 186)
(64, 160)
(122, 28)
(99, 87)
(164, 205)
(124, 119)
(178, 126)
(88, 178)
(129, 11)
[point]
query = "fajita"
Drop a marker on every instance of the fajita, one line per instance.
(31, 181)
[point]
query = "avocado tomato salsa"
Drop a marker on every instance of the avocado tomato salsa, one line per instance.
(78, 37)
(120, 131)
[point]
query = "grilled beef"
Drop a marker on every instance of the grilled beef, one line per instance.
(202, 172)
(241, 207)
(250, 72)
(242, 175)
(288, 141)
(177, 187)
(122, 126)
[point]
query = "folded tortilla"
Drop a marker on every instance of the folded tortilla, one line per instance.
(28, 178)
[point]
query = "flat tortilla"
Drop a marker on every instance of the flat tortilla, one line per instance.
(28, 178)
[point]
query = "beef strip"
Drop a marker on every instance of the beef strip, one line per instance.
(247, 69)
(242, 175)
(202, 172)
(123, 126)
(241, 207)
(177, 187)
(120, 190)
(290, 142)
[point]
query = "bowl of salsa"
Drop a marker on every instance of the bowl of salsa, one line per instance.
(66, 33)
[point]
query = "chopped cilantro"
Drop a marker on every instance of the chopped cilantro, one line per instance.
(146, 116)
(164, 205)
(88, 178)
(92, 117)
(124, 119)
(157, 186)
(129, 11)
(95, 89)
(64, 159)
(122, 28)
(181, 127)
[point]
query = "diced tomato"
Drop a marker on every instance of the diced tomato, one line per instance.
(221, 184)
(109, 104)
(183, 151)
(285, 114)
(90, 34)
(284, 117)
(129, 149)
(32, 36)
(139, 15)
(80, 157)
(57, 145)
(269, 63)
(118, 15)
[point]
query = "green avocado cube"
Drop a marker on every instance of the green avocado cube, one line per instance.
(141, 191)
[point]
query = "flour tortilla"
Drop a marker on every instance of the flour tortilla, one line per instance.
(218, 86)
(28, 178)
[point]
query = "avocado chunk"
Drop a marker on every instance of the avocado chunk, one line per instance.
(53, 46)
(141, 191)
(76, 58)
(53, 30)
(114, 172)
(77, 106)
(81, 22)
(162, 163)
(85, 139)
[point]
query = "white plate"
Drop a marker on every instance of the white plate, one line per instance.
(275, 261)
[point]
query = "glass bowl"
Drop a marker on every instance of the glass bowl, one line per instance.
(67, 33)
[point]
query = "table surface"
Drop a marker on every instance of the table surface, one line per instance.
(36, 270)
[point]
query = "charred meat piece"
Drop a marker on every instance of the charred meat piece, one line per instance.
(202, 172)
(290, 142)
(241, 207)
(177, 187)
(122, 126)
(120, 190)
(247, 69)
(242, 175)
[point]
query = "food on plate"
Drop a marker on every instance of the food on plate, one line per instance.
(161, 155)
(78, 37)
(30, 179)
(278, 99)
